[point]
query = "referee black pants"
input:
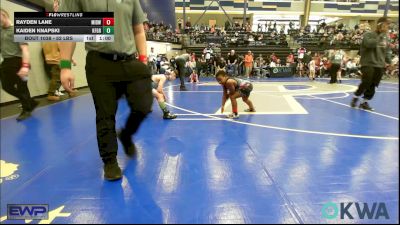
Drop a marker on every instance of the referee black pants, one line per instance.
(108, 81)
(333, 72)
(181, 67)
(13, 84)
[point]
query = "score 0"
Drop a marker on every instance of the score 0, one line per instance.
(108, 21)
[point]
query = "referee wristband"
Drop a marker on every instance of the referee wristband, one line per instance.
(65, 64)
(142, 58)
(26, 65)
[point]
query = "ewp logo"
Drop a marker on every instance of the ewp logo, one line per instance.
(331, 210)
(27, 212)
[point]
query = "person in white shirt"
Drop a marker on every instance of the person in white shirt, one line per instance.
(395, 60)
(152, 60)
(207, 53)
(311, 66)
(393, 67)
(194, 77)
(192, 65)
(351, 68)
(164, 65)
(278, 63)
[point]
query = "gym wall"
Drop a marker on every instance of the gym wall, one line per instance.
(158, 11)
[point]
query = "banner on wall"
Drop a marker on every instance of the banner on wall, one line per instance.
(160, 12)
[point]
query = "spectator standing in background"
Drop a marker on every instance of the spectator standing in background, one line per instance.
(232, 63)
(248, 63)
(152, 61)
(311, 67)
(51, 53)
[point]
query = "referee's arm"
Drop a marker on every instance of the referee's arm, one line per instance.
(138, 19)
(140, 39)
(67, 48)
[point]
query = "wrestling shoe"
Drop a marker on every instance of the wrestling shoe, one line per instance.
(169, 116)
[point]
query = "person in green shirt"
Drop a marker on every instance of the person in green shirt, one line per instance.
(112, 70)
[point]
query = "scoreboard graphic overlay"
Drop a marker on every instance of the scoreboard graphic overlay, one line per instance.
(64, 27)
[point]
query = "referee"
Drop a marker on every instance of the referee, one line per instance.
(15, 67)
(181, 61)
(113, 71)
